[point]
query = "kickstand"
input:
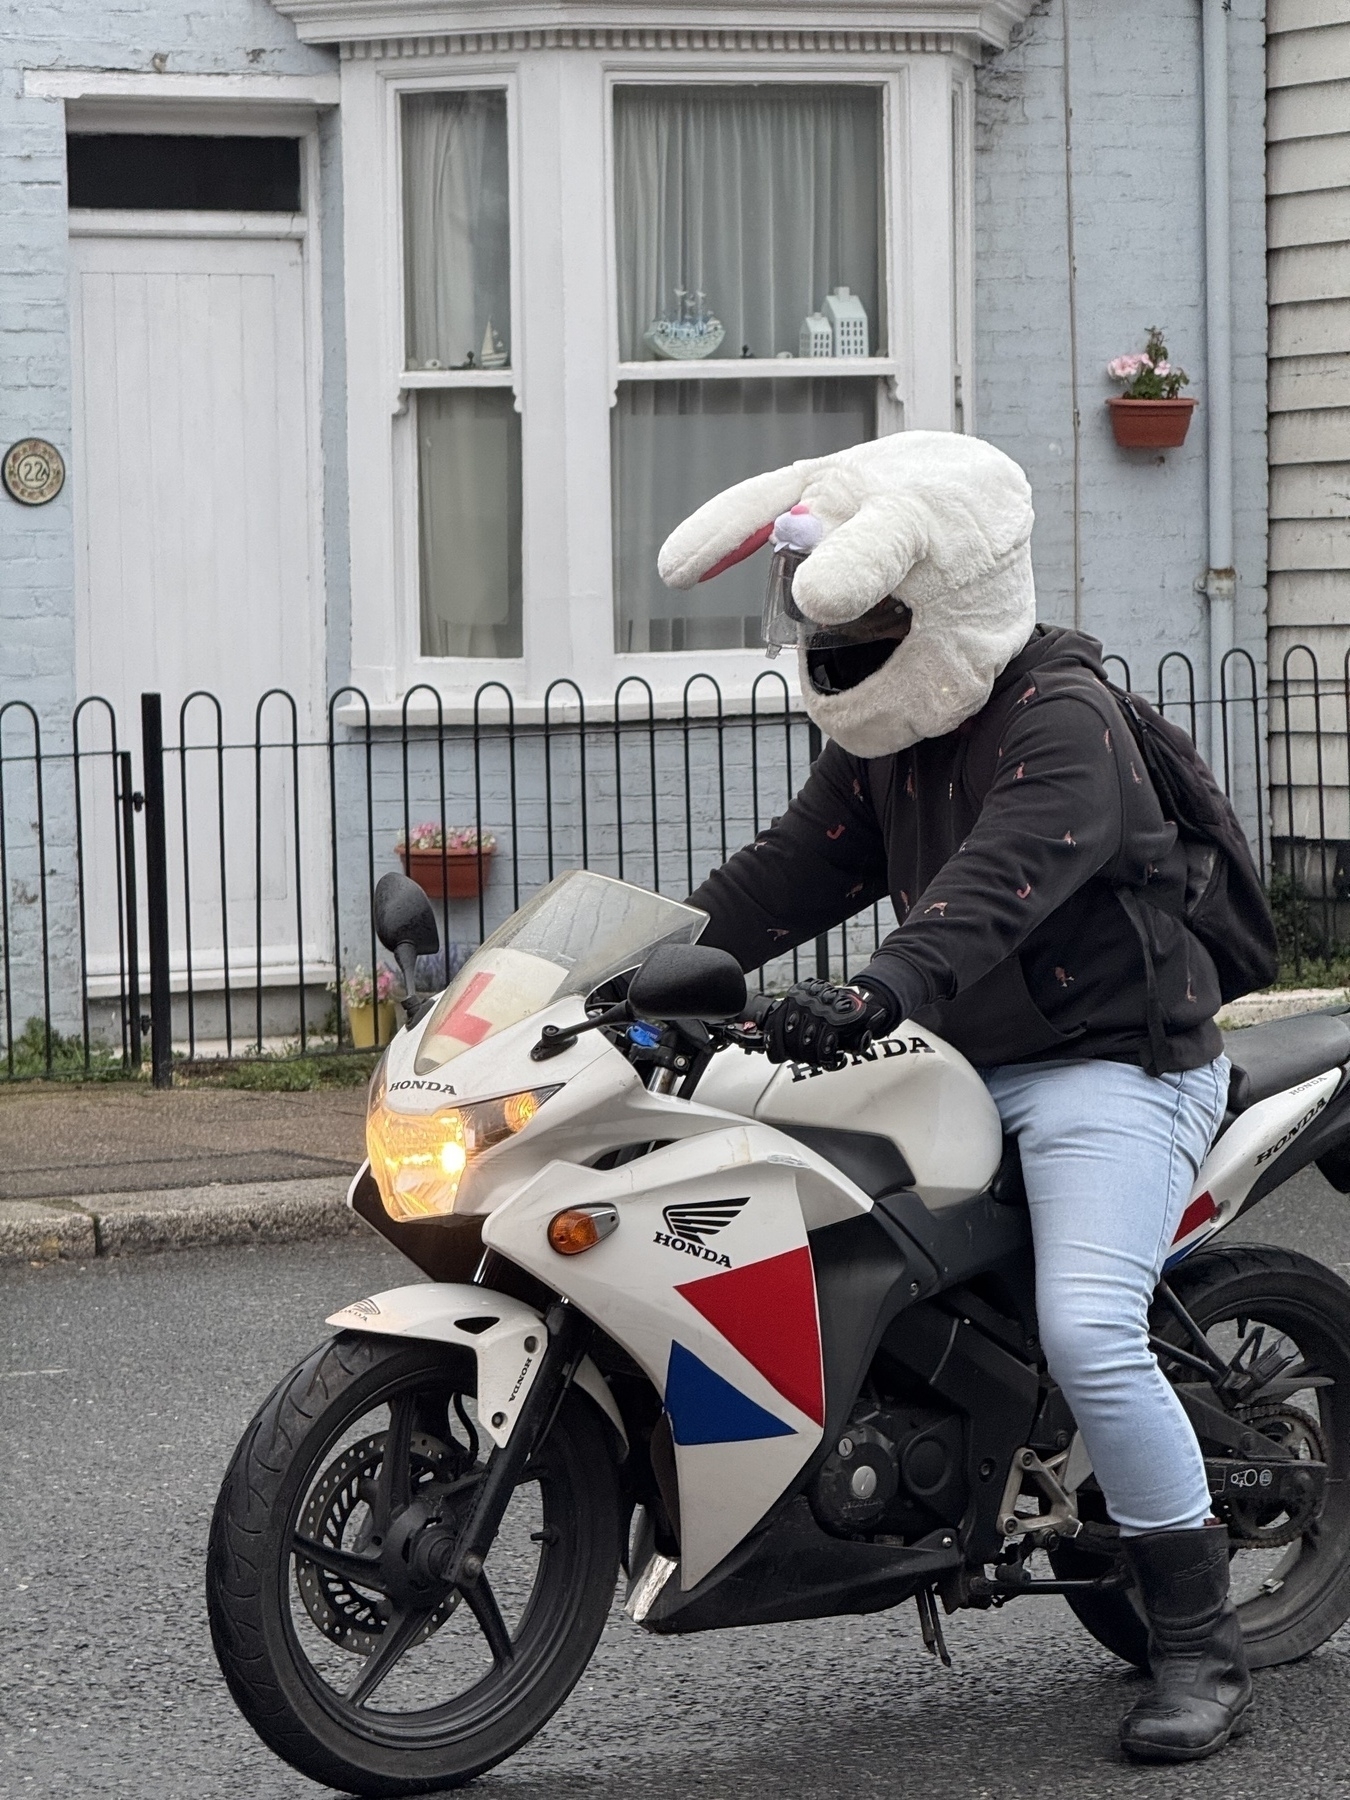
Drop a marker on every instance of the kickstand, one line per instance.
(931, 1626)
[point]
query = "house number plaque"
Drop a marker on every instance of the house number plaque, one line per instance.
(33, 471)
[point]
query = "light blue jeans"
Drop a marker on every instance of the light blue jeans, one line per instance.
(1109, 1155)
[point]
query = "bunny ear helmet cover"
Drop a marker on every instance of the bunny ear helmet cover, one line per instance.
(902, 571)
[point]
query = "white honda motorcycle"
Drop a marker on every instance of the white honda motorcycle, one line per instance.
(764, 1336)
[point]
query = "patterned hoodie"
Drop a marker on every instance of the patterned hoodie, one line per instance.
(1002, 845)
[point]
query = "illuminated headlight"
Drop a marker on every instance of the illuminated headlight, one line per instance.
(418, 1159)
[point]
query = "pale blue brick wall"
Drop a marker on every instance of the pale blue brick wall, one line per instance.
(1138, 213)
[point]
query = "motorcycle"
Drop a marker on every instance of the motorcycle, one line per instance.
(763, 1336)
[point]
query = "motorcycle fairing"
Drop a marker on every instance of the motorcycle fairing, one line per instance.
(911, 1087)
(495, 1327)
(708, 1284)
(1239, 1158)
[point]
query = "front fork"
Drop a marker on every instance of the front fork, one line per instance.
(569, 1333)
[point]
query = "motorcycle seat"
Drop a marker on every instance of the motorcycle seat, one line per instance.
(1267, 1059)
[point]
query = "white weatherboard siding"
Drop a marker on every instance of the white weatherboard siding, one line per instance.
(1308, 182)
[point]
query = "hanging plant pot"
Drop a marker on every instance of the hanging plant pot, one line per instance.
(447, 874)
(1151, 424)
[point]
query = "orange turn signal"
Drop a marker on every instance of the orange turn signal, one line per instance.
(581, 1228)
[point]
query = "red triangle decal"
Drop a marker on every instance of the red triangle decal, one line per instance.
(768, 1311)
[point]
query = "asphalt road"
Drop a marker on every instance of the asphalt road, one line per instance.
(123, 1388)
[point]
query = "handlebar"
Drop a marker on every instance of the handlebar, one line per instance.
(759, 1008)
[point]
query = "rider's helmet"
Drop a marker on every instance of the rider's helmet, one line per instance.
(901, 571)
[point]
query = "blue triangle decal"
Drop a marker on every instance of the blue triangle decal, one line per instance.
(705, 1409)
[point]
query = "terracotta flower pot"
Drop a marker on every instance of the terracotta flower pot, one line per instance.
(447, 874)
(368, 1031)
(1151, 424)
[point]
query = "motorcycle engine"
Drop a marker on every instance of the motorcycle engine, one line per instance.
(893, 1468)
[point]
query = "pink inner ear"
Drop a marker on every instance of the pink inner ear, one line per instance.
(739, 554)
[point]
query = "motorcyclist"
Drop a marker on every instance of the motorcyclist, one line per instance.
(979, 773)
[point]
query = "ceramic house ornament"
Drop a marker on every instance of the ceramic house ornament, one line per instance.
(817, 336)
(848, 323)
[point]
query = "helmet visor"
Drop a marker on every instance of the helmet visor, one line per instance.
(785, 623)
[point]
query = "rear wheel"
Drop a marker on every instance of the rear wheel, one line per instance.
(1271, 1312)
(341, 1642)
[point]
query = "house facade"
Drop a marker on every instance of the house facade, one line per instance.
(292, 462)
(384, 340)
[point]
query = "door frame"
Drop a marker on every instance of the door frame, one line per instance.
(257, 106)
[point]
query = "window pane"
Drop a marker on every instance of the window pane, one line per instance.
(456, 232)
(468, 466)
(677, 443)
(194, 174)
(763, 200)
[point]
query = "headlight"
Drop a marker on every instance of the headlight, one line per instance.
(419, 1159)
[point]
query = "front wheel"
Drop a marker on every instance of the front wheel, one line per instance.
(1281, 1323)
(341, 1643)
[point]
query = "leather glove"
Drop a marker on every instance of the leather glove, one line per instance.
(818, 1024)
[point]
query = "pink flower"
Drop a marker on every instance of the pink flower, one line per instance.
(1125, 368)
(1162, 368)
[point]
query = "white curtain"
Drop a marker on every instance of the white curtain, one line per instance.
(456, 229)
(468, 464)
(763, 198)
(456, 236)
(674, 444)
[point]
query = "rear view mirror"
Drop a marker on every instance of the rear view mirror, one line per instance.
(405, 924)
(688, 981)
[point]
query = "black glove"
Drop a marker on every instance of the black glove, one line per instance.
(818, 1023)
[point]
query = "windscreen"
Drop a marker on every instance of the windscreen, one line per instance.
(579, 931)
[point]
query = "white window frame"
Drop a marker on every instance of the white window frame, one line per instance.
(565, 371)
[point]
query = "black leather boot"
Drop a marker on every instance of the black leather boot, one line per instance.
(1202, 1692)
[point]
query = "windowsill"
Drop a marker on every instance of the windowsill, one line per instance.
(444, 378)
(714, 368)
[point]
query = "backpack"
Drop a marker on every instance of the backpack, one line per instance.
(1225, 905)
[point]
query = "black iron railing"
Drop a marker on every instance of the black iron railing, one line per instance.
(219, 907)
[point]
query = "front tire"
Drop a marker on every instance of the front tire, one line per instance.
(1294, 1594)
(349, 1662)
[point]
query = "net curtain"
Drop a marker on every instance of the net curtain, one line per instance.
(764, 198)
(456, 226)
(456, 235)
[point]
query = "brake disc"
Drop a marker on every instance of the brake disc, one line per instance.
(346, 1614)
(1254, 1526)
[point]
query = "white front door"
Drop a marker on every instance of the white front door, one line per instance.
(195, 539)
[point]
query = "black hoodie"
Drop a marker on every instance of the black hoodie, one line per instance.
(1001, 846)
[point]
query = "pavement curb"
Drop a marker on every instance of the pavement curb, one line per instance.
(260, 1212)
(1279, 1003)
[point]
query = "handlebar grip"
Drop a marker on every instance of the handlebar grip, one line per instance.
(760, 1006)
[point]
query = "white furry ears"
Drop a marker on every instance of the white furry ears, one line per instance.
(885, 510)
(941, 519)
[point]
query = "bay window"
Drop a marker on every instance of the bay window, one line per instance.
(593, 276)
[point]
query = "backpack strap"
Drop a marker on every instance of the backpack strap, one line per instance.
(1133, 908)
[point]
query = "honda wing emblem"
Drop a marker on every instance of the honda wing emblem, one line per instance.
(698, 1220)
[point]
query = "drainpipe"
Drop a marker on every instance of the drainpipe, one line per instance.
(1220, 580)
